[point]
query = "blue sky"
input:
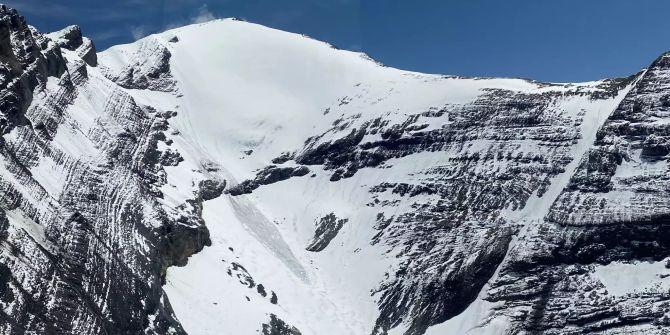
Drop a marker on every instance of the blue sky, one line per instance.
(560, 40)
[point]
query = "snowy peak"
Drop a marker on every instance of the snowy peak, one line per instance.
(228, 178)
(70, 38)
(377, 155)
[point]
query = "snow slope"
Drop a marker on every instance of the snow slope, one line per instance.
(244, 95)
(228, 178)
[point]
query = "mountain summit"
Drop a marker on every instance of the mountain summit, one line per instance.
(228, 178)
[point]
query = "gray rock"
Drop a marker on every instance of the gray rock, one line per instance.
(326, 229)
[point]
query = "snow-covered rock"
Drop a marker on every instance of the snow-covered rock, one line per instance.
(228, 178)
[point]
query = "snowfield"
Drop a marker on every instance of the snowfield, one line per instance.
(246, 94)
(228, 178)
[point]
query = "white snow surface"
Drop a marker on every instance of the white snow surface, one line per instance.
(241, 87)
(621, 279)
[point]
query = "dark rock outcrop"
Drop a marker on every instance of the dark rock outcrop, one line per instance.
(326, 229)
(27, 59)
(268, 175)
(278, 327)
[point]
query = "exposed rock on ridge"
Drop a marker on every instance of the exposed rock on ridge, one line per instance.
(85, 240)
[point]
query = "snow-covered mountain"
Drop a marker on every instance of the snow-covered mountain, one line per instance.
(228, 178)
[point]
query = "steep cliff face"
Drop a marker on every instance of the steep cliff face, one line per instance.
(85, 238)
(227, 178)
(596, 261)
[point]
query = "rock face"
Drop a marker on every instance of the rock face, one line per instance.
(268, 175)
(148, 67)
(613, 211)
(278, 327)
(85, 240)
(140, 198)
(326, 230)
(71, 39)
